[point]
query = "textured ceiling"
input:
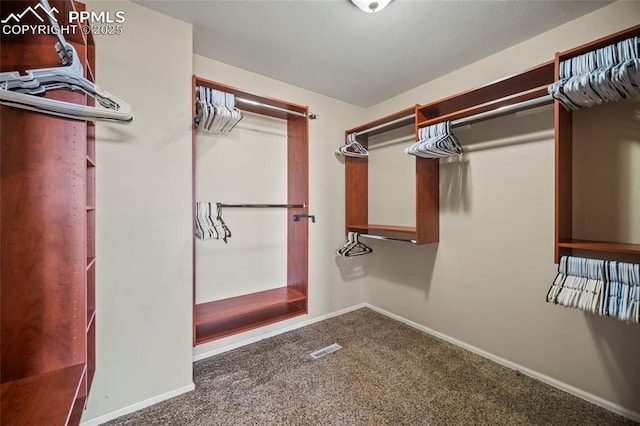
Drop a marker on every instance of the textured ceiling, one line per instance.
(333, 48)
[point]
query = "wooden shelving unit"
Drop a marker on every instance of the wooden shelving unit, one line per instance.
(357, 186)
(221, 318)
(527, 85)
(565, 243)
(48, 241)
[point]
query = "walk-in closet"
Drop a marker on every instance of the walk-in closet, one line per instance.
(311, 212)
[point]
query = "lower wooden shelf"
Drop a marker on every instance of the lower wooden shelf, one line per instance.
(226, 317)
(411, 230)
(602, 246)
(45, 399)
(404, 233)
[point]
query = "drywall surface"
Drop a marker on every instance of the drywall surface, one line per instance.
(143, 289)
(485, 282)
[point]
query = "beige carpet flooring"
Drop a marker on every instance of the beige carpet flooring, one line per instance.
(386, 373)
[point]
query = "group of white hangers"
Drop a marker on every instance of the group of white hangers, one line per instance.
(208, 227)
(353, 148)
(435, 141)
(216, 111)
(601, 287)
(353, 246)
(608, 74)
(25, 91)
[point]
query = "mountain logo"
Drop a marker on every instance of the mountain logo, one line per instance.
(16, 17)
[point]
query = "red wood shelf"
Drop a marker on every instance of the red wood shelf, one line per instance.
(248, 321)
(531, 79)
(489, 106)
(563, 234)
(43, 399)
(241, 305)
(602, 246)
(427, 209)
(384, 228)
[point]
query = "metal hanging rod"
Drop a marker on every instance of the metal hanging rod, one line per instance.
(263, 206)
(503, 110)
(380, 237)
(382, 126)
(262, 105)
(275, 108)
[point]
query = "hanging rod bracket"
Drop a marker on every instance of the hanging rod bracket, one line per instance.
(297, 217)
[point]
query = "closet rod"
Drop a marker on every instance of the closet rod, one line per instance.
(382, 126)
(380, 237)
(503, 110)
(263, 206)
(275, 108)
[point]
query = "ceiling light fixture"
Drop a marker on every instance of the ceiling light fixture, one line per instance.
(371, 6)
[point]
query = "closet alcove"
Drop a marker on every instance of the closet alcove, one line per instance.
(214, 319)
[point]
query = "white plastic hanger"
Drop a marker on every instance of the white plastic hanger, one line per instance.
(21, 91)
(353, 148)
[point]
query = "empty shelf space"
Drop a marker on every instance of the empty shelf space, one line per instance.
(602, 246)
(46, 398)
(245, 322)
(241, 305)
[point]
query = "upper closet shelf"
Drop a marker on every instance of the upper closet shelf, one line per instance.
(254, 103)
(405, 117)
(516, 92)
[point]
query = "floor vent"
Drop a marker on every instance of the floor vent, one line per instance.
(325, 351)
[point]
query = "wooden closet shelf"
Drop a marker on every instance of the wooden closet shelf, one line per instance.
(405, 117)
(602, 246)
(383, 228)
(46, 398)
(236, 306)
(489, 106)
(527, 80)
(249, 321)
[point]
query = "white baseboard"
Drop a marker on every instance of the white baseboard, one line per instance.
(137, 406)
(594, 399)
(245, 342)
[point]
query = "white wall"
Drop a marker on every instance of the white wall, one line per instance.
(143, 212)
(248, 165)
(332, 284)
(485, 282)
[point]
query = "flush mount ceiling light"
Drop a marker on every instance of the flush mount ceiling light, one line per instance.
(371, 6)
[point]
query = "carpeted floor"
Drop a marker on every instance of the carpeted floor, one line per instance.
(385, 374)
